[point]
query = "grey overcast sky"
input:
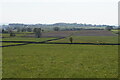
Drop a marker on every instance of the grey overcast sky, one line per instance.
(53, 11)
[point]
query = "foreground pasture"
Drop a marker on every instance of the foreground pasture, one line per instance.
(60, 61)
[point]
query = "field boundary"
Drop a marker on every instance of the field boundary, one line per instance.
(45, 42)
(86, 43)
(28, 42)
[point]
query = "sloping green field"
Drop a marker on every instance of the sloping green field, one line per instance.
(61, 60)
(26, 39)
(4, 43)
(90, 39)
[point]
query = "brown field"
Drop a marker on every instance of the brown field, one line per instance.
(94, 33)
(76, 33)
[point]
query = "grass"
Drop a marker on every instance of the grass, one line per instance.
(116, 31)
(26, 39)
(23, 39)
(4, 44)
(8, 35)
(18, 34)
(91, 39)
(5, 35)
(60, 61)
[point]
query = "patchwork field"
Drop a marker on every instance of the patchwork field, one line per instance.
(61, 60)
(76, 33)
(94, 33)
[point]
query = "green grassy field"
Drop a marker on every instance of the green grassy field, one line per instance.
(18, 34)
(8, 35)
(116, 31)
(60, 61)
(3, 44)
(26, 39)
(90, 39)
(22, 39)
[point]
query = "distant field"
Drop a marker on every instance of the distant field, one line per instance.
(90, 39)
(55, 34)
(25, 39)
(116, 31)
(3, 44)
(8, 35)
(95, 33)
(92, 27)
(17, 34)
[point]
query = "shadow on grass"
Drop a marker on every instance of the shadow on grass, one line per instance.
(54, 43)
(87, 43)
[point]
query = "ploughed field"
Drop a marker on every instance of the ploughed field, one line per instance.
(76, 33)
(95, 33)
(62, 60)
(55, 34)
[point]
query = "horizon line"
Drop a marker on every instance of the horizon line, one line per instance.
(55, 23)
